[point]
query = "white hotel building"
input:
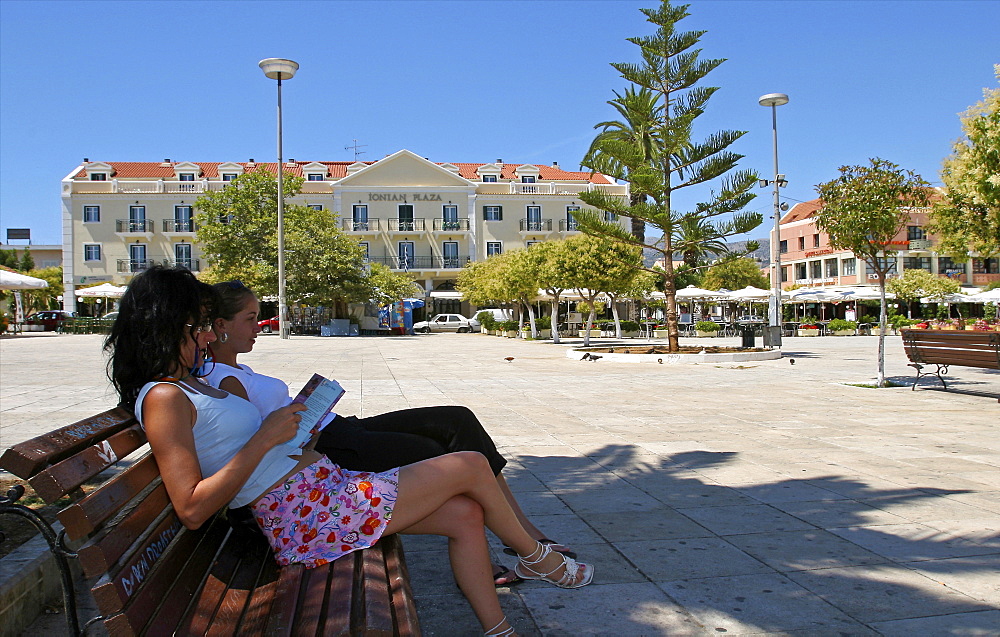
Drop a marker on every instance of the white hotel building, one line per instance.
(412, 214)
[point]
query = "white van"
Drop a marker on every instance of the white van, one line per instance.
(498, 314)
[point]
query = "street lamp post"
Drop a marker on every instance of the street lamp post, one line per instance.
(774, 100)
(280, 69)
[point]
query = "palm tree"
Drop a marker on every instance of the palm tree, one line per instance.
(696, 238)
(629, 143)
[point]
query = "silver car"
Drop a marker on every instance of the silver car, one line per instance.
(447, 323)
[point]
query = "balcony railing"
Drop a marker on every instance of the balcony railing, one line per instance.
(535, 225)
(360, 226)
(455, 225)
(421, 262)
(135, 265)
(567, 225)
(407, 225)
(179, 225)
(920, 244)
(128, 225)
(190, 264)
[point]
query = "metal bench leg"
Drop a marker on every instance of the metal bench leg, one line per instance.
(920, 373)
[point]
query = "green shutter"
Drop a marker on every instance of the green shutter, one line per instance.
(499, 213)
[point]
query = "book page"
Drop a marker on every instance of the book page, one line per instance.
(319, 396)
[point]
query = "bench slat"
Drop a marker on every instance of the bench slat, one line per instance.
(234, 604)
(99, 555)
(27, 458)
(286, 601)
(407, 622)
(84, 517)
(378, 606)
(205, 611)
(261, 601)
(313, 597)
(340, 599)
(61, 478)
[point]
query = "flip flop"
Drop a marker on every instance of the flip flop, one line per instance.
(506, 577)
(552, 544)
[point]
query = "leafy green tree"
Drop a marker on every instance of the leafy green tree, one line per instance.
(388, 286)
(553, 276)
(915, 284)
(595, 267)
(27, 261)
(237, 228)
(696, 239)
(968, 217)
(863, 210)
(638, 130)
(8, 258)
(734, 274)
(671, 68)
(481, 283)
(35, 300)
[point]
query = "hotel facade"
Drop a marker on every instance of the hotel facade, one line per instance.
(808, 260)
(425, 218)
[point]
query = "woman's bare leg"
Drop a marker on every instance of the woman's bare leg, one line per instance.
(425, 486)
(532, 530)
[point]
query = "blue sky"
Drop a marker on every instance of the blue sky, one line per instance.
(467, 81)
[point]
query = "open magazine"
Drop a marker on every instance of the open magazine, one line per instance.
(319, 396)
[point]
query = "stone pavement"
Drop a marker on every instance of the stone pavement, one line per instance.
(753, 498)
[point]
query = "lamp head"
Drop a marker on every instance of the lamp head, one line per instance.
(773, 99)
(279, 68)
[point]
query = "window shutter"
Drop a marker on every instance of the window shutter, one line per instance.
(499, 213)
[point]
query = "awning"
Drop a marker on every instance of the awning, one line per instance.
(445, 294)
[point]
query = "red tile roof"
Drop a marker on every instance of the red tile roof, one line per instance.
(806, 209)
(337, 170)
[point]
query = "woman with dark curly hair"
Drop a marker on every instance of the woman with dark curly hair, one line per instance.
(214, 450)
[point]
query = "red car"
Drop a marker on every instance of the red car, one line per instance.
(50, 319)
(268, 325)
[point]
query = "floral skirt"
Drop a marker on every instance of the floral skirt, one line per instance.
(324, 512)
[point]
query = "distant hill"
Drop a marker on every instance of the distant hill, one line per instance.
(762, 254)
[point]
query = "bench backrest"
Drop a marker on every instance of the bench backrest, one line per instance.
(953, 347)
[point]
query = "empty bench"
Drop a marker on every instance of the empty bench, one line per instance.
(152, 575)
(945, 348)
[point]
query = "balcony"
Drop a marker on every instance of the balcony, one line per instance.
(920, 244)
(190, 264)
(422, 262)
(535, 225)
(128, 226)
(569, 225)
(349, 225)
(406, 225)
(178, 226)
(455, 225)
(135, 265)
(547, 188)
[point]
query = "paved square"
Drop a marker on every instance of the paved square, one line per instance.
(750, 498)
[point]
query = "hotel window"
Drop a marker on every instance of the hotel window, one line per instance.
(949, 267)
(406, 258)
(364, 248)
(527, 179)
(815, 240)
(449, 217)
(489, 179)
(915, 233)
(98, 176)
(137, 257)
(450, 252)
(182, 256)
(816, 269)
(492, 213)
(91, 214)
(314, 177)
(610, 217)
(783, 246)
(800, 271)
(406, 217)
(570, 219)
(784, 274)
(316, 206)
(493, 248)
(831, 268)
(137, 218)
(883, 264)
(802, 243)
(850, 267)
(185, 177)
(228, 176)
(531, 243)
(534, 218)
(360, 217)
(91, 252)
(917, 263)
(183, 219)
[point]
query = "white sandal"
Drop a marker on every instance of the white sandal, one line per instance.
(504, 632)
(569, 577)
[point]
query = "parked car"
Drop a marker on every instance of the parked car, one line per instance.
(447, 323)
(110, 316)
(498, 314)
(268, 325)
(50, 319)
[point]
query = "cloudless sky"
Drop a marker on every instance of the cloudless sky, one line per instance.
(467, 81)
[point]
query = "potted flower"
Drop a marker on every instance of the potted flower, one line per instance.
(487, 322)
(840, 327)
(660, 331)
(707, 328)
(629, 329)
(543, 324)
(808, 329)
(594, 332)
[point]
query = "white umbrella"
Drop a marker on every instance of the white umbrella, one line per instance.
(15, 281)
(863, 293)
(692, 292)
(993, 296)
(750, 293)
(104, 290)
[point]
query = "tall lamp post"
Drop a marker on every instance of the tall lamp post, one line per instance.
(774, 100)
(280, 69)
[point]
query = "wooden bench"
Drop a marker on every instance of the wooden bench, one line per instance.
(152, 575)
(945, 348)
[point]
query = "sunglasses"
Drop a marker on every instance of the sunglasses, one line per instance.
(204, 326)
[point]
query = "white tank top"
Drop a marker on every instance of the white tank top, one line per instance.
(222, 428)
(267, 393)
